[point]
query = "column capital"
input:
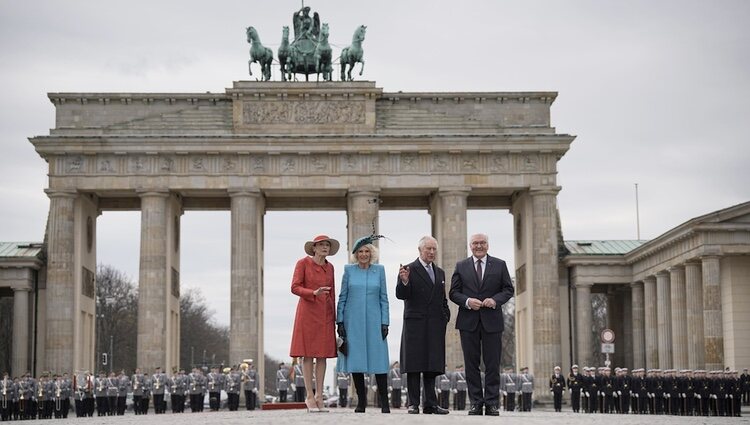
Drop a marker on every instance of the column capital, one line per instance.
(244, 191)
(363, 189)
(61, 193)
(587, 285)
(662, 273)
(636, 284)
(649, 279)
(676, 268)
(20, 288)
(158, 192)
(544, 190)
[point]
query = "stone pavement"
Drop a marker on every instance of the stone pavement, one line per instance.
(374, 417)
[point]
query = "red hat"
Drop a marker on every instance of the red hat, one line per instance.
(320, 238)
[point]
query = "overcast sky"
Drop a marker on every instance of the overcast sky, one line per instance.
(655, 91)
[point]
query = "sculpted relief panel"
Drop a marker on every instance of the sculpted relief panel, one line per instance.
(303, 112)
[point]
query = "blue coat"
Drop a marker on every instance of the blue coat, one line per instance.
(363, 308)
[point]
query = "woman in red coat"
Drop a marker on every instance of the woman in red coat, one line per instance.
(313, 336)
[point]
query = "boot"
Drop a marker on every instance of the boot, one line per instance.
(382, 382)
(359, 385)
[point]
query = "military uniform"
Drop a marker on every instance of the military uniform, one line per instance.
(214, 390)
(282, 382)
(177, 389)
(158, 388)
(299, 384)
(147, 388)
(342, 381)
(250, 383)
(100, 393)
(139, 382)
(458, 387)
(527, 389)
(745, 386)
(195, 389)
(7, 393)
(574, 388)
(508, 389)
(443, 387)
(233, 385)
(557, 386)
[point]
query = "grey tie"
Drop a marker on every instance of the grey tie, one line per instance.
(431, 272)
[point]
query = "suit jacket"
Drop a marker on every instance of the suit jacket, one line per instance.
(496, 284)
(426, 315)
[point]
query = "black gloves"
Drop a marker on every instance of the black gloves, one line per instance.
(341, 330)
(384, 330)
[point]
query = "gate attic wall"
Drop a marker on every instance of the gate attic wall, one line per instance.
(278, 146)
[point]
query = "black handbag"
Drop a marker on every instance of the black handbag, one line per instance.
(342, 346)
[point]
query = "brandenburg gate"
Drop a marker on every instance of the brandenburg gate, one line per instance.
(262, 146)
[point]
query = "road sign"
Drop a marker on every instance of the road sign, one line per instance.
(607, 336)
(608, 348)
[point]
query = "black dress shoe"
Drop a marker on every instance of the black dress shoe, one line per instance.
(435, 410)
(491, 411)
(476, 410)
(414, 410)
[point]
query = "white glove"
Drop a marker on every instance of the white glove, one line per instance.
(505, 393)
(439, 391)
(374, 387)
(587, 394)
(619, 392)
(390, 388)
(455, 391)
(698, 396)
(255, 390)
(683, 395)
(731, 396)
(570, 391)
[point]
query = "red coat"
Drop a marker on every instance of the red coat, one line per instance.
(313, 334)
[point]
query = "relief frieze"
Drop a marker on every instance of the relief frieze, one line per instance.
(303, 112)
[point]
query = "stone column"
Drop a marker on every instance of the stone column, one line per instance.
(712, 325)
(546, 310)
(59, 355)
(363, 206)
(449, 228)
(246, 280)
(583, 324)
(20, 341)
(664, 318)
(679, 318)
(152, 293)
(639, 336)
(694, 303)
(650, 322)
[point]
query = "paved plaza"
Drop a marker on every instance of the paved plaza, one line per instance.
(374, 417)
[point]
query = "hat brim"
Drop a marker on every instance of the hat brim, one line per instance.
(334, 246)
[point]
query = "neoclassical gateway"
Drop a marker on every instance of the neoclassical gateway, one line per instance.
(677, 300)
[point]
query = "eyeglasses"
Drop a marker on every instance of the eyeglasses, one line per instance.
(479, 243)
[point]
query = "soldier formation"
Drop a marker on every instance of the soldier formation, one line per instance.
(50, 395)
(655, 392)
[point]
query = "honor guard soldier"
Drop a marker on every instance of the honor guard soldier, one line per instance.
(737, 395)
(7, 392)
(593, 390)
(608, 389)
(44, 397)
(195, 391)
(299, 382)
(177, 389)
(395, 384)
(123, 386)
(342, 381)
(617, 390)
(159, 382)
(443, 387)
(638, 394)
(527, 389)
(557, 386)
(282, 382)
(687, 392)
(625, 390)
(574, 388)
(250, 384)
(138, 384)
(100, 392)
(232, 385)
(508, 388)
(31, 392)
(458, 387)
(745, 385)
(147, 391)
(585, 388)
(702, 392)
(112, 392)
(58, 396)
(214, 389)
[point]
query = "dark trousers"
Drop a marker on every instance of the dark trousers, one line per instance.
(101, 406)
(159, 406)
(112, 405)
(196, 402)
(214, 401)
(121, 405)
(137, 404)
(557, 398)
(510, 402)
(575, 400)
(300, 394)
(415, 391)
(396, 398)
(593, 401)
(250, 400)
(444, 399)
(233, 401)
(343, 397)
(476, 345)
(459, 400)
(526, 397)
(175, 404)
(282, 396)
(144, 405)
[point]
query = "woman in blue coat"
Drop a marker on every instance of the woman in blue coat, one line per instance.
(363, 322)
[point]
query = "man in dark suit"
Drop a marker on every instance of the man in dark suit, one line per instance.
(421, 285)
(480, 286)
